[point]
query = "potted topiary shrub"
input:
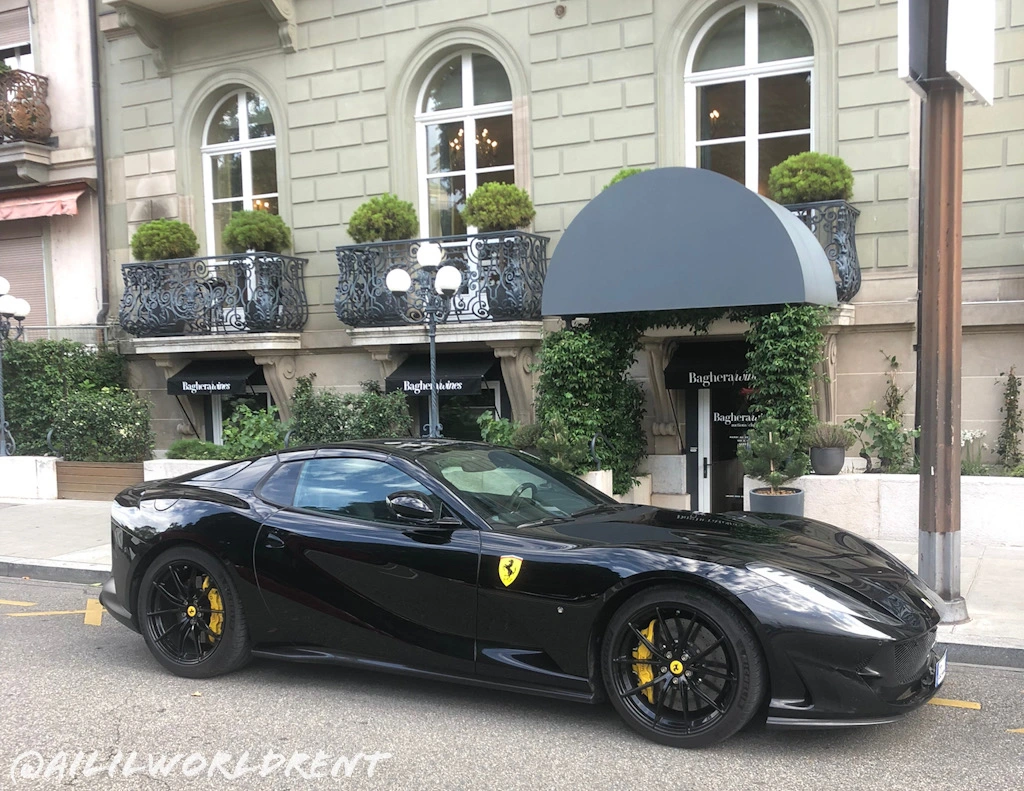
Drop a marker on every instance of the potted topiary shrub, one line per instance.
(495, 209)
(260, 232)
(817, 188)
(625, 173)
(828, 443)
(771, 457)
(160, 240)
(384, 218)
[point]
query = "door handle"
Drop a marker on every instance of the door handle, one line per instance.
(705, 466)
(273, 541)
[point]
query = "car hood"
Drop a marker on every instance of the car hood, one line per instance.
(801, 546)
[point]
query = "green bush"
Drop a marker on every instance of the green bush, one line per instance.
(497, 431)
(161, 239)
(1008, 443)
(196, 449)
(585, 386)
(324, 416)
(256, 230)
(103, 425)
(770, 455)
(251, 432)
(885, 438)
(1017, 472)
(810, 176)
(498, 207)
(385, 218)
(828, 435)
(625, 173)
(39, 377)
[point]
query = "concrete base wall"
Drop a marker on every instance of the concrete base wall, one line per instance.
(886, 506)
(28, 477)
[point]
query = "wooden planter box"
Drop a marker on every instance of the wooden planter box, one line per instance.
(95, 480)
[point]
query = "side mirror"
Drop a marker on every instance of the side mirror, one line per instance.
(412, 506)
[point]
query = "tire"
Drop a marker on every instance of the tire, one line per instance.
(190, 614)
(682, 667)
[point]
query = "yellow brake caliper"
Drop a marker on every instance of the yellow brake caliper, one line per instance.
(645, 673)
(216, 603)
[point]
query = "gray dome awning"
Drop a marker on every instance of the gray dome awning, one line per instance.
(677, 238)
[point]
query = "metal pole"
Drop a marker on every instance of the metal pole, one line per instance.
(433, 430)
(941, 337)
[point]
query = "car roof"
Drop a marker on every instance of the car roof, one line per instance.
(407, 447)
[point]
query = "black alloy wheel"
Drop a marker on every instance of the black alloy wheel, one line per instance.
(190, 615)
(682, 667)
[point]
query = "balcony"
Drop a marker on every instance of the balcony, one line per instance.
(502, 279)
(834, 223)
(24, 127)
(229, 295)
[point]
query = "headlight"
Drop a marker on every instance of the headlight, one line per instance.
(805, 596)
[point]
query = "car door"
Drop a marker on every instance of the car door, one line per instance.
(338, 569)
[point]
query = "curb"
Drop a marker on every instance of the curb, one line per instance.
(53, 570)
(998, 656)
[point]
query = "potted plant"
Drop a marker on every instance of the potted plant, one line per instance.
(771, 457)
(257, 232)
(160, 240)
(817, 188)
(494, 209)
(625, 173)
(168, 240)
(250, 231)
(828, 443)
(384, 218)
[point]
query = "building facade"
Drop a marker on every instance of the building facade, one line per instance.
(309, 107)
(49, 209)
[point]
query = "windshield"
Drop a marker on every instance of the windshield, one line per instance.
(508, 488)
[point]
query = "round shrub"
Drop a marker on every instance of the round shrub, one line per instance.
(160, 239)
(197, 450)
(498, 207)
(386, 218)
(108, 424)
(808, 177)
(256, 230)
(625, 173)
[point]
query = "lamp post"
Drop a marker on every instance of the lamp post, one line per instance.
(429, 289)
(12, 309)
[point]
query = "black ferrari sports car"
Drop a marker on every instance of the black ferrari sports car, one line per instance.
(471, 563)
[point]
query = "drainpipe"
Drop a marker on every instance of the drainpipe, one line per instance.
(101, 177)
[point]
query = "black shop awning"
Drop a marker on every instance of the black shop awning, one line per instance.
(677, 238)
(705, 364)
(213, 377)
(457, 374)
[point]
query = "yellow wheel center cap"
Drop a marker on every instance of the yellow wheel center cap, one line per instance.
(192, 614)
(676, 667)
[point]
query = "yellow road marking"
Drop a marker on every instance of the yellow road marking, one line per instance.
(17, 603)
(51, 612)
(956, 704)
(93, 612)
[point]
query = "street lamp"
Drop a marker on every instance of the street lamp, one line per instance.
(11, 309)
(430, 288)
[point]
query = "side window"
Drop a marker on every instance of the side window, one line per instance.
(279, 488)
(355, 488)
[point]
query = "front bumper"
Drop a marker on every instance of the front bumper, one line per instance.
(109, 599)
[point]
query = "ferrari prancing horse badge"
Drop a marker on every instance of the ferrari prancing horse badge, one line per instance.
(508, 569)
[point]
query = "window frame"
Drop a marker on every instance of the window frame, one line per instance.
(243, 146)
(468, 113)
(750, 73)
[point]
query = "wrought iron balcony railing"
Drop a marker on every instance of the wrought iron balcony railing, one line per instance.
(245, 292)
(502, 278)
(24, 114)
(834, 222)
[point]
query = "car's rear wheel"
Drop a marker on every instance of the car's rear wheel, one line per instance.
(682, 667)
(190, 614)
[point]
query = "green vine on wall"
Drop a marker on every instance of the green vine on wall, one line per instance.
(1008, 444)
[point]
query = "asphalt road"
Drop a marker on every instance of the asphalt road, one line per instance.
(77, 699)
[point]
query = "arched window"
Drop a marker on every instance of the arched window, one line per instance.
(749, 92)
(464, 137)
(239, 162)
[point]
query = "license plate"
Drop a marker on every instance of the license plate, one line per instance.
(940, 670)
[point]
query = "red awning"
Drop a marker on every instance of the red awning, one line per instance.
(41, 203)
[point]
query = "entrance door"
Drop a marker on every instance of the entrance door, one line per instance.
(716, 422)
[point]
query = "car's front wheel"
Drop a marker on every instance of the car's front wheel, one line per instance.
(190, 614)
(682, 667)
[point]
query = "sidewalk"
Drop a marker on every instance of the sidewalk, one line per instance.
(69, 540)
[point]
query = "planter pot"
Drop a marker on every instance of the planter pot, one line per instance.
(790, 502)
(828, 461)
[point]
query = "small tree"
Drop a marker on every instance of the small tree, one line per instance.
(1008, 444)
(164, 239)
(498, 207)
(810, 176)
(256, 230)
(385, 218)
(771, 455)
